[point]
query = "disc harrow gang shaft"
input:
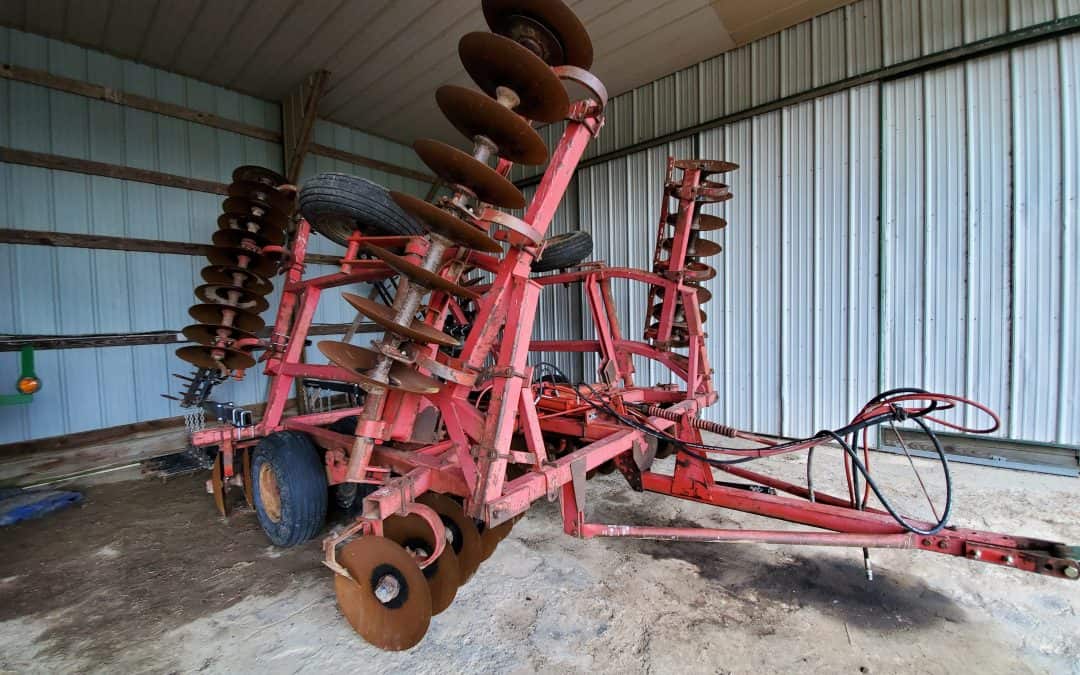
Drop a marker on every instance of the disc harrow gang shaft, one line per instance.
(254, 217)
(680, 247)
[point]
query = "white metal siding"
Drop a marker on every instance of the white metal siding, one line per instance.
(964, 177)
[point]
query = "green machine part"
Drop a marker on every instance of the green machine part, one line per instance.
(27, 377)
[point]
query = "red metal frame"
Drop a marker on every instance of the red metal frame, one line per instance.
(471, 460)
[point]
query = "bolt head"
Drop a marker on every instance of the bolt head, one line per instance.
(1072, 572)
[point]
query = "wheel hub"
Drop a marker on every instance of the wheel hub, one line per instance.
(269, 493)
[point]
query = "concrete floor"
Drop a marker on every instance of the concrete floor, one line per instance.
(145, 577)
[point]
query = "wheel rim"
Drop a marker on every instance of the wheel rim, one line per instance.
(269, 494)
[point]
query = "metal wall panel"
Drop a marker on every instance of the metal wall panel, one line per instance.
(797, 59)
(1068, 428)
(865, 48)
(1037, 241)
(830, 55)
(985, 18)
(901, 30)
(919, 232)
(61, 291)
(989, 230)
(858, 38)
(559, 313)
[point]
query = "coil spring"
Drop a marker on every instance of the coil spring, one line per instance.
(697, 423)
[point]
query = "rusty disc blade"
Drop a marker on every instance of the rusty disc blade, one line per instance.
(694, 271)
(548, 28)
(262, 195)
(241, 298)
(491, 536)
(703, 294)
(218, 485)
(400, 619)
(249, 493)
(358, 360)
(444, 574)
(417, 331)
(458, 168)
(707, 223)
(476, 114)
(209, 334)
(250, 173)
(706, 166)
(680, 315)
(701, 223)
(203, 357)
(425, 278)
(494, 61)
(697, 248)
(229, 316)
(236, 276)
(239, 239)
(258, 263)
(444, 224)
(242, 223)
(679, 338)
(461, 532)
(242, 207)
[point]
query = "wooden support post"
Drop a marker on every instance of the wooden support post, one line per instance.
(106, 243)
(299, 111)
(90, 168)
(48, 80)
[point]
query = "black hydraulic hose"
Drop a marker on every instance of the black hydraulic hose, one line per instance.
(837, 435)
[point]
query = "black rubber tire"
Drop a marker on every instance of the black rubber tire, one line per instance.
(337, 203)
(301, 481)
(564, 250)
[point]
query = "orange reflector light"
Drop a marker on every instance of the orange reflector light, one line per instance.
(28, 385)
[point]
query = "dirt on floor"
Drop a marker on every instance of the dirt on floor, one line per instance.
(144, 576)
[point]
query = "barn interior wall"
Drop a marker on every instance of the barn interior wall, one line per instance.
(919, 231)
(81, 291)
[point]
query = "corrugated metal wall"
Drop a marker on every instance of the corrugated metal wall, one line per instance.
(74, 291)
(921, 231)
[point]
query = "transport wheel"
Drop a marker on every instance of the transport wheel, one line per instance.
(336, 204)
(387, 599)
(564, 250)
(444, 574)
(289, 486)
(461, 532)
(491, 536)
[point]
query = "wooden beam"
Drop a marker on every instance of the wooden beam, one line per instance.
(91, 168)
(13, 343)
(58, 83)
(97, 241)
(299, 112)
(106, 243)
(352, 158)
(55, 82)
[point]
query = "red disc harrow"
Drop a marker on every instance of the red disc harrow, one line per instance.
(452, 434)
